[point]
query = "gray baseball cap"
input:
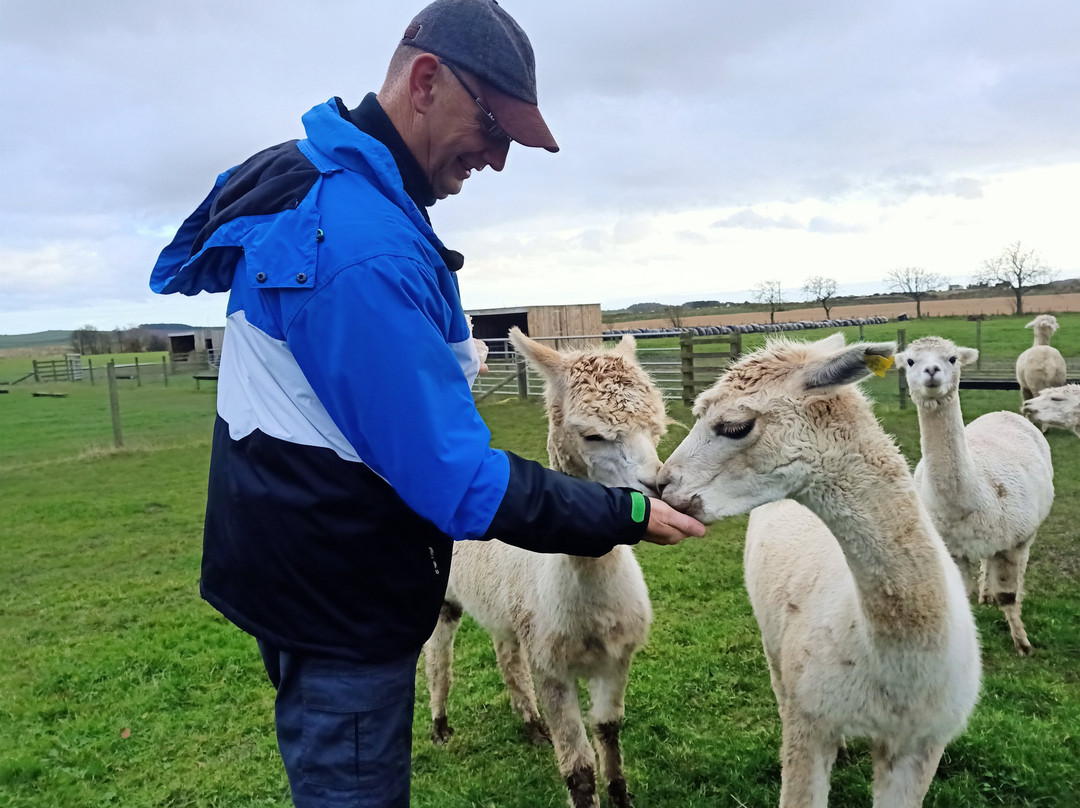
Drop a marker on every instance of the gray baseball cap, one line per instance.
(481, 37)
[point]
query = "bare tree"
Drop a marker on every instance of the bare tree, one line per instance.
(769, 293)
(821, 290)
(1017, 269)
(674, 315)
(916, 283)
(89, 340)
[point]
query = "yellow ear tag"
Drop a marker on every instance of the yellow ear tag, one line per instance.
(878, 364)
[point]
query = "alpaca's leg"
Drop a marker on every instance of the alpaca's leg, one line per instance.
(806, 760)
(518, 678)
(985, 598)
(438, 662)
(1006, 582)
(577, 762)
(901, 781)
(967, 574)
(607, 693)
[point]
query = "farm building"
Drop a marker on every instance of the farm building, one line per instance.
(199, 346)
(492, 325)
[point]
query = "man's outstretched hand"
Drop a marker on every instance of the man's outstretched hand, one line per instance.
(669, 526)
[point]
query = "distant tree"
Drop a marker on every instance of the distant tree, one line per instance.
(674, 315)
(821, 290)
(702, 304)
(769, 293)
(1016, 269)
(89, 340)
(156, 342)
(916, 283)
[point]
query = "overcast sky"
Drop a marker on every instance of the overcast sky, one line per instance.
(706, 146)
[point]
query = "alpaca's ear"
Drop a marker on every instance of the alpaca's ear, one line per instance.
(967, 356)
(848, 366)
(833, 342)
(546, 360)
(627, 346)
(1031, 324)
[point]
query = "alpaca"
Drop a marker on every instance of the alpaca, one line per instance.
(1057, 407)
(1040, 366)
(561, 617)
(987, 487)
(863, 616)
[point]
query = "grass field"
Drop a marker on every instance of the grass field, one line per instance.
(120, 687)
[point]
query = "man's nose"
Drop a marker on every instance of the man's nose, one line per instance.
(495, 154)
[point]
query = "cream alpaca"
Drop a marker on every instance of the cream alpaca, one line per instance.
(562, 616)
(987, 486)
(1040, 366)
(1057, 407)
(863, 617)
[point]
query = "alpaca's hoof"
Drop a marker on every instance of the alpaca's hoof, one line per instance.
(441, 731)
(1023, 648)
(537, 733)
(618, 795)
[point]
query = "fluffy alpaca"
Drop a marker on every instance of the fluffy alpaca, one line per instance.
(863, 616)
(562, 617)
(1057, 407)
(1040, 366)
(987, 487)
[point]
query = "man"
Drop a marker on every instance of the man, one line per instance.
(348, 453)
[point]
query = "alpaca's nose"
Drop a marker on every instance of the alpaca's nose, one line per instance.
(932, 371)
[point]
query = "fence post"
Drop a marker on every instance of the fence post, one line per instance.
(114, 404)
(165, 371)
(36, 377)
(860, 332)
(522, 377)
(901, 342)
(138, 375)
(90, 367)
(686, 367)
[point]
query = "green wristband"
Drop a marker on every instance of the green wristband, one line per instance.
(637, 506)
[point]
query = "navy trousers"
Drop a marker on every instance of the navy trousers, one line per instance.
(344, 728)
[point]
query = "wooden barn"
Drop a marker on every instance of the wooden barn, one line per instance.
(579, 320)
(198, 347)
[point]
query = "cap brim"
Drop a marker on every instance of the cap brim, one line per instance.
(520, 119)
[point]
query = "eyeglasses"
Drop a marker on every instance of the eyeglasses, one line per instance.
(487, 117)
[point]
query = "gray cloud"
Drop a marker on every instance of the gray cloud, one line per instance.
(118, 116)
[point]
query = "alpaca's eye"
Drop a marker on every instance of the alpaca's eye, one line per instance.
(734, 430)
(1057, 398)
(952, 360)
(911, 363)
(593, 437)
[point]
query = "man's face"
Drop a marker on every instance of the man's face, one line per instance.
(458, 142)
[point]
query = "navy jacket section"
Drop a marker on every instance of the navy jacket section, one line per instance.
(317, 554)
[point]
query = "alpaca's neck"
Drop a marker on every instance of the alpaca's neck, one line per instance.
(1042, 336)
(946, 458)
(868, 501)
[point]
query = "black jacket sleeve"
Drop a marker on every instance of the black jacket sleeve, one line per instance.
(550, 512)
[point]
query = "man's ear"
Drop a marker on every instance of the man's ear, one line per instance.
(423, 78)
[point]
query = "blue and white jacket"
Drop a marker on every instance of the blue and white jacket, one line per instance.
(348, 453)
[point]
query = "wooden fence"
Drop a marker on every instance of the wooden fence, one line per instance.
(680, 372)
(684, 372)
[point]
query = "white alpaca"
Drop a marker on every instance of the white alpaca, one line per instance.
(863, 616)
(987, 487)
(1057, 407)
(1040, 366)
(566, 617)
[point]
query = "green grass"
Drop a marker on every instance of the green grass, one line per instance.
(103, 635)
